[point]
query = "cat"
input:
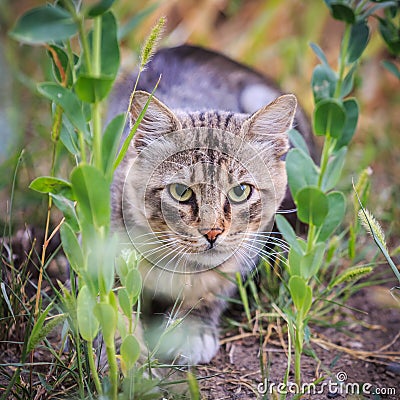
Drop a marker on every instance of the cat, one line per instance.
(198, 189)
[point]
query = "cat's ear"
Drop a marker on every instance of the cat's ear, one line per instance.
(271, 123)
(157, 121)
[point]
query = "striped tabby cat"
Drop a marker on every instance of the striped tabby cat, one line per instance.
(198, 189)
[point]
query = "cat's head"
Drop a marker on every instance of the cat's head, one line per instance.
(200, 188)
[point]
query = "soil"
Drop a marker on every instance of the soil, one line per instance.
(366, 357)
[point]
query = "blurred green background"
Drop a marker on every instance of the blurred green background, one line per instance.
(272, 36)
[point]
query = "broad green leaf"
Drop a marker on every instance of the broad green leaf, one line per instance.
(337, 209)
(60, 57)
(295, 258)
(312, 260)
(67, 207)
(297, 140)
(68, 101)
(122, 269)
(348, 82)
(93, 194)
(106, 265)
(100, 8)
(87, 322)
(71, 247)
(110, 143)
(343, 12)
(133, 284)
(329, 118)
(93, 89)
(391, 67)
(108, 321)
(110, 57)
(323, 82)
(370, 11)
(301, 171)
(352, 111)
(130, 351)
(46, 24)
(301, 294)
(334, 169)
(68, 137)
(319, 53)
(49, 184)
(312, 205)
(359, 37)
(390, 35)
(124, 302)
(287, 232)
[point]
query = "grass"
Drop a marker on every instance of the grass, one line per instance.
(273, 38)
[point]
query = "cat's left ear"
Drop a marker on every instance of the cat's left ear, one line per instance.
(157, 121)
(271, 123)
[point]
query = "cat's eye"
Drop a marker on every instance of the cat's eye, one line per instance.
(180, 192)
(240, 193)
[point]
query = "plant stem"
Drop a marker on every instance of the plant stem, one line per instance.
(113, 371)
(342, 60)
(96, 108)
(93, 368)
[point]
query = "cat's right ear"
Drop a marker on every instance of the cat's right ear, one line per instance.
(157, 121)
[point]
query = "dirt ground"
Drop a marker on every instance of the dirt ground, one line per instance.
(368, 355)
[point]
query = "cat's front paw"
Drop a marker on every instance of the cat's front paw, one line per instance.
(186, 341)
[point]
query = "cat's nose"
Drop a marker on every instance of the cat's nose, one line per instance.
(211, 234)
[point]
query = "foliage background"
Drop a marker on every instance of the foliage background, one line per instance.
(272, 36)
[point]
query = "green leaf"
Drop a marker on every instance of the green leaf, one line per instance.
(67, 207)
(334, 169)
(137, 19)
(68, 101)
(319, 53)
(297, 140)
(122, 269)
(301, 171)
(46, 24)
(124, 302)
(352, 111)
(69, 138)
(323, 83)
(109, 54)
(359, 36)
(62, 58)
(295, 257)
(93, 89)
(391, 67)
(337, 209)
(110, 143)
(288, 233)
(133, 284)
(312, 205)
(107, 317)
(93, 194)
(301, 294)
(312, 260)
(390, 35)
(87, 322)
(106, 264)
(130, 351)
(329, 118)
(348, 82)
(49, 184)
(100, 8)
(343, 12)
(40, 330)
(72, 247)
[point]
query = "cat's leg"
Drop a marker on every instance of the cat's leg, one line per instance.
(188, 336)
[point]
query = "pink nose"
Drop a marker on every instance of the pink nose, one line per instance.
(211, 234)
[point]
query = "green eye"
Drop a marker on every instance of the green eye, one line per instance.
(240, 193)
(180, 192)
